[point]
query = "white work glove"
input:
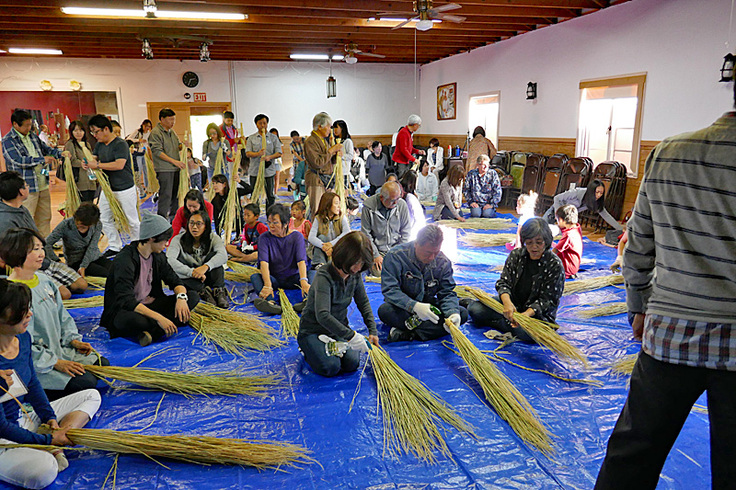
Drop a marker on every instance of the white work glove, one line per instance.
(424, 312)
(358, 343)
(333, 347)
(455, 319)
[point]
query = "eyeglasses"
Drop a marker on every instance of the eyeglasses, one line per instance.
(196, 224)
(94, 132)
(274, 223)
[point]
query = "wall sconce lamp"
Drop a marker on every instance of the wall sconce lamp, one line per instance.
(727, 68)
(531, 91)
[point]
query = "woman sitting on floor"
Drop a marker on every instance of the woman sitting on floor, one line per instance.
(26, 467)
(193, 201)
(282, 260)
(325, 317)
(198, 256)
(80, 236)
(135, 303)
(531, 283)
(59, 355)
(450, 197)
(329, 226)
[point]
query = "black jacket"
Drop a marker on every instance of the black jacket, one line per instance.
(119, 289)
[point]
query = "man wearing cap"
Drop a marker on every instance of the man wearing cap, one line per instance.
(135, 304)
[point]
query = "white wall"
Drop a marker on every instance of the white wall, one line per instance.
(371, 98)
(679, 43)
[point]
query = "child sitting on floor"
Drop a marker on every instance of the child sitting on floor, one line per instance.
(353, 208)
(246, 248)
(525, 205)
(570, 246)
(298, 220)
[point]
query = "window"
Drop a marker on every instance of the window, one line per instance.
(609, 122)
(483, 111)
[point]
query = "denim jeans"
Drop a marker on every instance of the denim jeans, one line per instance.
(479, 212)
(195, 181)
(322, 364)
(396, 317)
(291, 282)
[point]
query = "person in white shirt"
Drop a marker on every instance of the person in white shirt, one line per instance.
(416, 211)
(435, 157)
(427, 184)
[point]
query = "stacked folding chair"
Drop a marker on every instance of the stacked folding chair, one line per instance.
(549, 184)
(613, 176)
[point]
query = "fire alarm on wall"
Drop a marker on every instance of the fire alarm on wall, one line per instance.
(187, 96)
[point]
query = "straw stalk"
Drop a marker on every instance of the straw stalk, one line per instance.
(91, 302)
(625, 365)
(239, 272)
(153, 185)
(478, 223)
(183, 175)
(581, 285)
(289, 318)
(233, 331)
(487, 239)
(605, 310)
(72, 191)
(121, 220)
(231, 215)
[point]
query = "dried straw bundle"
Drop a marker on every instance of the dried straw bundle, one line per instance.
(218, 170)
(91, 302)
(376, 279)
(463, 292)
(259, 188)
(542, 332)
(240, 272)
(487, 239)
(194, 449)
(219, 383)
(121, 220)
(411, 411)
(625, 365)
(153, 185)
(72, 191)
(581, 285)
(289, 317)
(183, 175)
(96, 282)
(500, 392)
(231, 216)
(478, 223)
(338, 177)
(233, 331)
(605, 310)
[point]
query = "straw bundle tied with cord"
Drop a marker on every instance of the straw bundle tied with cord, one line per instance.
(233, 331)
(478, 223)
(543, 333)
(487, 239)
(183, 173)
(259, 189)
(410, 411)
(500, 392)
(338, 176)
(231, 215)
(239, 272)
(581, 285)
(121, 220)
(217, 171)
(72, 202)
(153, 185)
(289, 318)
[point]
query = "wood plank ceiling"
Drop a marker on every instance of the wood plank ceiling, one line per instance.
(274, 29)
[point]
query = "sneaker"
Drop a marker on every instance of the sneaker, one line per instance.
(110, 253)
(299, 307)
(267, 306)
(398, 335)
(207, 296)
(145, 339)
(221, 299)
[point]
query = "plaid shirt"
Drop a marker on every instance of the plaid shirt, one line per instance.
(689, 342)
(18, 159)
(298, 148)
(483, 190)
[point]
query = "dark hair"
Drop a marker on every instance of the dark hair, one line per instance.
(423, 164)
(165, 112)
(409, 182)
(10, 185)
(228, 115)
(87, 213)
(16, 298)
(281, 211)
(274, 131)
(187, 240)
(161, 237)
(299, 205)
(145, 121)
(16, 243)
(434, 141)
(392, 174)
(479, 130)
(351, 203)
(253, 208)
(100, 121)
(430, 235)
(375, 144)
(193, 195)
(294, 133)
(536, 227)
(115, 124)
(20, 116)
(353, 248)
(72, 127)
(589, 200)
(455, 175)
(259, 117)
(568, 214)
(344, 133)
(222, 179)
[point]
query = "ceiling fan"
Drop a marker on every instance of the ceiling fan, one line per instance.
(351, 50)
(424, 13)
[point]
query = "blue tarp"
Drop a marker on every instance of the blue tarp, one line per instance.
(313, 411)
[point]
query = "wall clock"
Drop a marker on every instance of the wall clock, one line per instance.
(190, 79)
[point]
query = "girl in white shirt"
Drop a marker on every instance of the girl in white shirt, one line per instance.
(427, 184)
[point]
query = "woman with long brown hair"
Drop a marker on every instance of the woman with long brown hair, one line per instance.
(450, 197)
(329, 226)
(74, 146)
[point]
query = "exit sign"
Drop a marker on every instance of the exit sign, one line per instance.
(200, 97)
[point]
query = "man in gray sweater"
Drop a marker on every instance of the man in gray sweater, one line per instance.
(386, 221)
(165, 150)
(680, 271)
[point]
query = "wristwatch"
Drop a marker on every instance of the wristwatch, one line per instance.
(182, 296)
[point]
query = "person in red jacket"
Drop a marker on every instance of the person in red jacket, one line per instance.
(570, 246)
(404, 152)
(230, 132)
(193, 202)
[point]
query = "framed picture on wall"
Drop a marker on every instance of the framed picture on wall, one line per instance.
(447, 101)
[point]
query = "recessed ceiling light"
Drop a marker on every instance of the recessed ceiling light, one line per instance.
(338, 57)
(34, 51)
(312, 57)
(159, 14)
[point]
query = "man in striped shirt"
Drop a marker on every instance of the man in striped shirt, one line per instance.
(683, 228)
